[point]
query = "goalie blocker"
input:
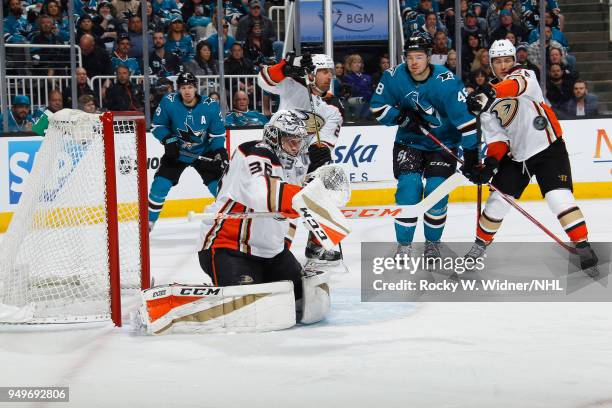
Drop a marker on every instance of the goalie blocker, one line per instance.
(261, 307)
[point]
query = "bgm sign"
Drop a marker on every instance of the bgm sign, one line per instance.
(355, 20)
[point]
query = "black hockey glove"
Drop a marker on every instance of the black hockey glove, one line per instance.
(410, 120)
(483, 174)
(319, 155)
(218, 163)
(470, 162)
(480, 100)
(291, 70)
(306, 62)
(171, 147)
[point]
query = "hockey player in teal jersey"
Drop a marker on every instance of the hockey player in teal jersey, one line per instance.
(415, 94)
(193, 134)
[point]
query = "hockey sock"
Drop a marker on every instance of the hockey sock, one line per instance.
(157, 196)
(409, 191)
(491, 218)
(435, 218)
(562, 203)
(213, 187)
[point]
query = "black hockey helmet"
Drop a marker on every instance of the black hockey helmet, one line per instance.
(420, 41)
(186, 78)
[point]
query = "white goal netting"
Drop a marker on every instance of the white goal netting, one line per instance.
(54, 262)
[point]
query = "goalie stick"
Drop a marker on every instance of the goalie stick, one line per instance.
(378, 211)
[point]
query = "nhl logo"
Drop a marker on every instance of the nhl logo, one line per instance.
(540, 122)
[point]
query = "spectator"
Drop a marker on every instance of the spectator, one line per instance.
(361, 86)
(164, 5)
(124, 8)
(161, 62)
(51, 59)
(555, 56)
(507, 26)
(83, 88)
(241, 115)
(237, 64)
(471, 27)
(135, 33)
(178, 42)
(162, 87)
(87, 104)
(121, 55)
(477, 79)
(468, 53)
(383, 65)
(534, 48)
(228, 40)
(95, 60)
(109, 25)
(196, 15)
(339, 71)
(439, 52)
(204, 64)
(19, 119)
(85, 25)
(15, 22)
(123, 95)
(582, 104)
(551, 33)
(510, 36)
(55, 103)
(258, 48)
(521, 58)
(481, 61)
(424, 7)
(451, 61)
(255, 16)
(431, 24)
(53, 9)
(559, 88)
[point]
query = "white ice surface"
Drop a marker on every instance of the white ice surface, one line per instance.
(364, 355)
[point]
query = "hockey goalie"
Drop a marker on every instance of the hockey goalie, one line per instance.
(257, 283)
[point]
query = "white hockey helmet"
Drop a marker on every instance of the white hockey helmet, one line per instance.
(286, 134)
(502, 48)
(322, 61)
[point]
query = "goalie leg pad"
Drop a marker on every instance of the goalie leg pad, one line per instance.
(181, 308)
(315, 302)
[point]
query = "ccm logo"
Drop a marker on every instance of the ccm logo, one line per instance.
(159, 293)
(200, 291)
(314, 225)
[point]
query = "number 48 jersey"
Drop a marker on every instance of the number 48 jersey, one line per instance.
(440, 99)
(255, 182)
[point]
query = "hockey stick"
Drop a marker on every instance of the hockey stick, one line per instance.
(479, 185)
(196, 156)
(395, 211)
(506, 198)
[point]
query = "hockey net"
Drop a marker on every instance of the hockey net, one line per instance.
(80, 232)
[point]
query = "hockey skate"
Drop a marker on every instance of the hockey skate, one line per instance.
(431, 253)
(316, 254)
(476, 252)
(151, 225)
(588, 259)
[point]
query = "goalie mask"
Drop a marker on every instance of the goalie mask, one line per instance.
(287, 136)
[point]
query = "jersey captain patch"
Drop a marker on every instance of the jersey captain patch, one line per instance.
(506, 110)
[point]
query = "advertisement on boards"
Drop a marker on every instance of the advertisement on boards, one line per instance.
(353, 20)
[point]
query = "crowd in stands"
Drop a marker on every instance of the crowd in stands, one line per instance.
(183, 36)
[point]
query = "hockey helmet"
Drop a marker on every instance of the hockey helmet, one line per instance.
(286, 134)
(502, 48)
(322, 61)
(419, 42)
(186, 78)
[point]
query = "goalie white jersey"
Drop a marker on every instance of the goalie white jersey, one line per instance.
(520, 116)
(254, 182)
(294, 96)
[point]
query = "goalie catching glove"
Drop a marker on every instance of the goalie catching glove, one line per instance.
(318, 204)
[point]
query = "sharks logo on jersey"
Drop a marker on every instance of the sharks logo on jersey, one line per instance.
(445, 76)
(424, 108)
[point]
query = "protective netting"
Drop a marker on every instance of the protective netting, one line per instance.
(54, 265)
